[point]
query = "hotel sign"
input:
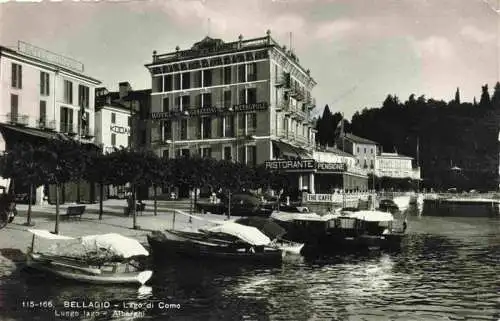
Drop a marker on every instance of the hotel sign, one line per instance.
(209, 111)
(338, 167)
(119, 129)
(291, 164)
(48, 56)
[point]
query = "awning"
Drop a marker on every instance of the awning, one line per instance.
(285, 149)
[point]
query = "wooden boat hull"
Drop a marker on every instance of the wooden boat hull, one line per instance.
(164, 247)
(87, 275)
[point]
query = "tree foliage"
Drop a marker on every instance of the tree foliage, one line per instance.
(449, 134)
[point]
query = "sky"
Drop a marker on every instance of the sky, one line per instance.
(358, 51)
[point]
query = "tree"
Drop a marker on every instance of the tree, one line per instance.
(495, 99)
(485, 101)
(457, 96)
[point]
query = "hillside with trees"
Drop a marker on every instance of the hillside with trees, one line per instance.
(457, 141)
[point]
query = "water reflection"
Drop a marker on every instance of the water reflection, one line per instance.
(446, 270)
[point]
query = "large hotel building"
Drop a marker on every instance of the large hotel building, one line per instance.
(247, 101)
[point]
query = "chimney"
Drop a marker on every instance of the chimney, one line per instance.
(125, 88)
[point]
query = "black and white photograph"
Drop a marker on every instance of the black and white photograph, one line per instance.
(271, 160)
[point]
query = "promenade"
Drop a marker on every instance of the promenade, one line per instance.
(15, 238)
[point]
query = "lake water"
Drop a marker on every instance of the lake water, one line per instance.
(447, 269)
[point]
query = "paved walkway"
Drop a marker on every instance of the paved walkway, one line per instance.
(15, 238)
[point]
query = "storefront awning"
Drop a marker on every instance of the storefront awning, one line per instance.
(285, 149)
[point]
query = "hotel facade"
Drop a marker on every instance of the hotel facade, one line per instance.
(43, 95)
(248, 101)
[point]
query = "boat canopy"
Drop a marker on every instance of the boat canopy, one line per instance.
(248, 234)
(113, 243)
(48, 235)
(371, 216)
(267, 226)
(120, 245)
(288, 216)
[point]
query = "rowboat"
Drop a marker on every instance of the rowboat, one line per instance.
(98, 259)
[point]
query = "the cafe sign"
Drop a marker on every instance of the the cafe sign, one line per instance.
(290, 164)
(334, 167)
(209, 111)
(119, 129)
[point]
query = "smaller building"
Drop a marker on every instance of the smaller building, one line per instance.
(112, 123)
(364, 150)
(395, 165)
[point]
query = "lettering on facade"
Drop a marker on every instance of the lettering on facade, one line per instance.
(250, 107)
(340, 167)
(290, 164)
(48, 56)
(320, 198)
(119, 129)
(213, 111)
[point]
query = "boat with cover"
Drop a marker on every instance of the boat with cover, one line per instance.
(230, 241)
(274, 231)
(340, 230)
(99, 259)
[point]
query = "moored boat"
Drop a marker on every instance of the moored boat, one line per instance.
(234, 242)
(99, 259)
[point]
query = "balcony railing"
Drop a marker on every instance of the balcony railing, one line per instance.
(68, 128)
(18, 119)
(46, 124)
(87, 132)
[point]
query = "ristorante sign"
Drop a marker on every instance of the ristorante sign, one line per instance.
(305, 164)
(290, 164)
(210, 111)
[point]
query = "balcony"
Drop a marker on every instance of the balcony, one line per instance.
(87, 132)
(46, 124)
(16, 119)
(67, 128)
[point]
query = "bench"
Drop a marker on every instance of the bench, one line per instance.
(139, 208)
(74, 211)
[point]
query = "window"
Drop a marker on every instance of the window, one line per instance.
(165, 153)
(68, 92)
(205, 152)
(14, 107)
(206, 124)
(242, 154)
(167, 130)
(157, 84)
(129, 121)
(85, 128)
(243, 95)
(113, 139)
(66, 117)
(83, 96)
(251, 155)
(227, 75)
(185, 152)
(357, 150)
(227, 154)
(242, 77)
(252, 72)
(251, 123)
(371, 162)
(43, 113)
(206, 100)
(241, 124)
(227, 98)
(229, 126)
(207, 78)
(167, 83)
(197, 78)
(177, 81)
(185, 102)
(17, 76)
(186, 80)
(113, 118)
(184, 128)
(251, 95)
(166, 104)
(371, 150)
(44, 83)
